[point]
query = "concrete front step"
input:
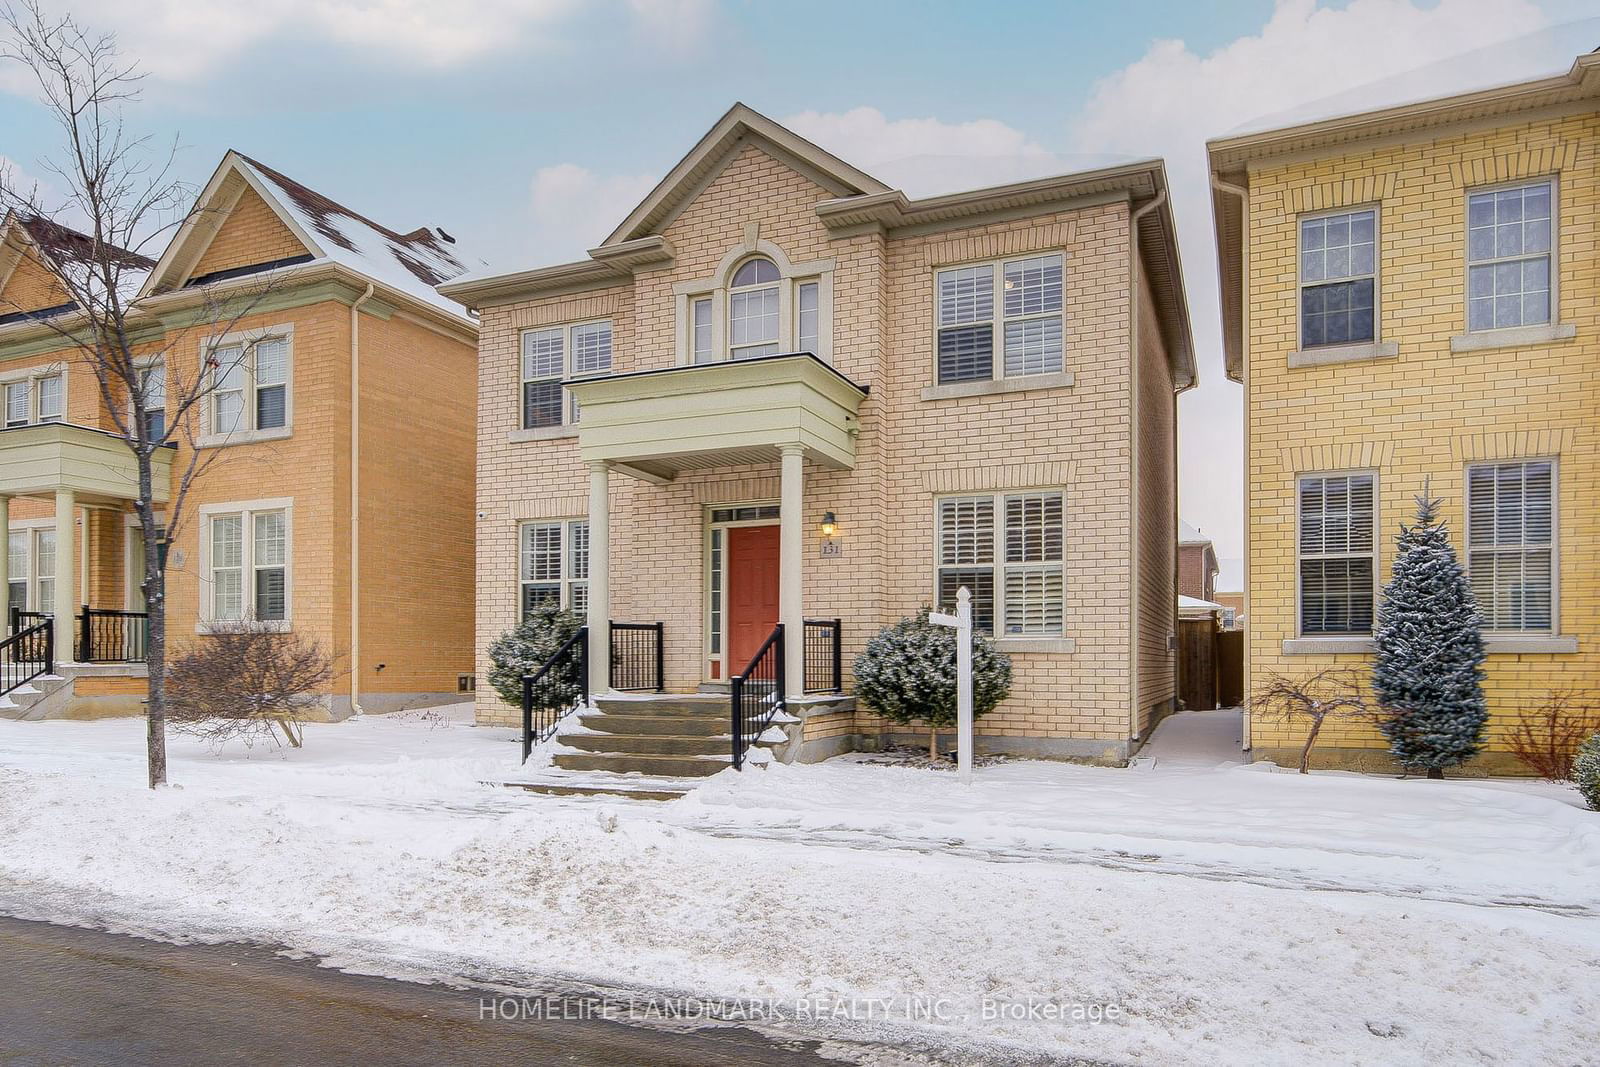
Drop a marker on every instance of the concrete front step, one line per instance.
(675, 725)
(557, 790)
(639, 763)
(650, 744)
(678, 704)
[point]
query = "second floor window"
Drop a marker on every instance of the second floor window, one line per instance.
(250, 386)
(1337, 554)
(1508, 257)
(753, 310)
(1025, 319)
(154, 379)
(1339, 279)
(549, 357)
(34, 400)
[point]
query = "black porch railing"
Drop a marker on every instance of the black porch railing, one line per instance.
(555, 690)
(112, 636)
(21, 620)
(27, 654)
(637, 660)
(824, 656)
(758, 695)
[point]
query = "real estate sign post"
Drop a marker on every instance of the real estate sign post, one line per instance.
(962, 622)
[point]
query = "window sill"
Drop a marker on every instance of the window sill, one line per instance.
(542, 433)
(278, 626)
(995, 386)
(1326, 646)
(1036, 644)
(1334, 354)
(243, 437)
(1515, 336)
(1513, 644)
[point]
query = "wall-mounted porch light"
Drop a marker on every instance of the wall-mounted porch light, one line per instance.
(829, 525)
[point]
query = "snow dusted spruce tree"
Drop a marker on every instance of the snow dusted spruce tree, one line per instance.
(529, 646)
(1586, 771)
(907, 673)
(1428, 673)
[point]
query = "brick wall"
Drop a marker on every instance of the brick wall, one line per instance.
(31, 286)
(252, 233)
(1421, 417)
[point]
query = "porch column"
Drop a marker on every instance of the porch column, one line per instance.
(599, 578)
(791, 550)
(66, 606)
(5, 564)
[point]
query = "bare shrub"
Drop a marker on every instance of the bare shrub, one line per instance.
(1333, 693)
(1545, 739)
(244, 681)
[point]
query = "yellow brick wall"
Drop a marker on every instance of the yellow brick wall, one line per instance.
(1157, 529)
(252, 233)
(907, 451)
(1429, 412)
(31, 286)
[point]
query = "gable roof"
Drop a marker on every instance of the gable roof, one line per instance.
(58, 248)
(1311, 132)
(739, 126)
(411, 264)
(1188, 535)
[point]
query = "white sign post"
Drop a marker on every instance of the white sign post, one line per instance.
(961, 621)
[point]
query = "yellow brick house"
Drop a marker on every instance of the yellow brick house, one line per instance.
(337, 499)
(784, 404)
(1411, 297)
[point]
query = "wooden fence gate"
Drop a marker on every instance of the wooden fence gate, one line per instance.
(1230, 668)
(1197, 664)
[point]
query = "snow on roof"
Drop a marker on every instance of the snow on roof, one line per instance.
(66, 249)
(1195, 604)
(1188, 535)
(412, 263)
(1546, 53)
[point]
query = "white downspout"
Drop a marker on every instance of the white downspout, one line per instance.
(355, 500)
(1244, 382)
(1135, 275)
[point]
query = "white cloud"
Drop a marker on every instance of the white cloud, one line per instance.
(574, 209)
(1171, 99)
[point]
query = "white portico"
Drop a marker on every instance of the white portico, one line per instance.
(657, 425)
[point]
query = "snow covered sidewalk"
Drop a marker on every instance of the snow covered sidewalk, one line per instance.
(379, 847)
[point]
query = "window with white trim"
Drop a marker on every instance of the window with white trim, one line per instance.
(1337, 554)
(1027, 315)
(31, 562)
(701, 342)
(250, 386)
(1009, 551)
(18, 570)
(550, 356)
(806, 328)
(554, 565)
(153, 377)
(753, 309)
(248, 566)
(1509, 237)
(34, 400)
(1339, 278)
(1511, 524)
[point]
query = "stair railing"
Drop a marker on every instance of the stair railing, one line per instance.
(26, 655)
(106, 636)
(638, 660)
(555, 690)
(758, 695)
(824, 656)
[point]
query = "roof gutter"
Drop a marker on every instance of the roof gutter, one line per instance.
(355, 499)
(1135, 270)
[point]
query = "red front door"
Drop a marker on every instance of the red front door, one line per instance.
(752, 591)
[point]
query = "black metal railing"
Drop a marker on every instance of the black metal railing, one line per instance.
(824, 656)
(112, 636)
(555, 690)
(637, 660)
(26, 655)
(758, 695)
(21, 620)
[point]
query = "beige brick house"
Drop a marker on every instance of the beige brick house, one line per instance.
(781, 391)
(1410, 300)
(339, 503)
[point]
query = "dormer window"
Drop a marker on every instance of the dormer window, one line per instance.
(753, 310)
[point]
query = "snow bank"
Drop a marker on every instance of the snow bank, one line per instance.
(408, 864)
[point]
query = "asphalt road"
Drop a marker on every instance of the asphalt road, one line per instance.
(76, 997)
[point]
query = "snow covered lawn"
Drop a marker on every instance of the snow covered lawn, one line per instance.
(1216, 915)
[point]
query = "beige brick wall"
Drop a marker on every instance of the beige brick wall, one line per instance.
(31, 286)
(907, 451)
(1157, 529)
(252, 233)
(1424, 415)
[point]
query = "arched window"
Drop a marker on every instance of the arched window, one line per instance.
(753, 309)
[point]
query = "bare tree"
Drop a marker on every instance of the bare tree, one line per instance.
(1332, 693)
(243, 681)
(118, 200)
(1545, 739)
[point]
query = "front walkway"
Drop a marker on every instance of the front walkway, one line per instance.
(1198, 737)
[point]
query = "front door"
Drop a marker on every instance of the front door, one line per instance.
(752, 591)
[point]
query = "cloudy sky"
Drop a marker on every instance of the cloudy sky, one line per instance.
(530, 127)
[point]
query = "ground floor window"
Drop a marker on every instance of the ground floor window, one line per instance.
(1511, 524)
(31, 569)
(1008, 549)
(247, 563)
(554, 565)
